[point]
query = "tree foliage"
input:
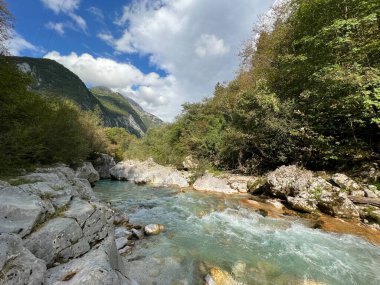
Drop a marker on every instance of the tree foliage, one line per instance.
(308, 92)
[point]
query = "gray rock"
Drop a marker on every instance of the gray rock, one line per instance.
(20, 211)
(137, 233)
(54, 236)
(87, 171)
(4, 184)
(241, 183)
(122, 232)
(126, 250)
(102, 265)
(292, 181)
(210, 183)
(103, 164)
(302, 204)
(98, 225)
(153, 229)
(345, 182)
(121, 242)
(148, 172)
(18, 266)
(79, 210)
(337, 204)
(121, 218)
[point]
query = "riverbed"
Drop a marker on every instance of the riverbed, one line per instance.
(203, 230)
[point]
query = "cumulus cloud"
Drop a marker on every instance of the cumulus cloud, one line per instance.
(209, 45)
(57, 27)
(67, 7)
(195, 41)
(155, 93)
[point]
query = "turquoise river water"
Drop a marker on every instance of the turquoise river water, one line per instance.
(205, 230)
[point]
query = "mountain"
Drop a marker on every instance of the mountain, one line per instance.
(54, 80)
(120, 104)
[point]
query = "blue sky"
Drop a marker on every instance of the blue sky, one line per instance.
(161, 53)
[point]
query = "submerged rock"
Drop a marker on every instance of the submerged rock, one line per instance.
(153, 229)
(219, 277)
(210, 183)
(143, 172)
(102, 164)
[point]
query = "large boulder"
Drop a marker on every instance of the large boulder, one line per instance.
(55, 236)
(88, 172)
(210, 183)
(21, 211)
(337, 204)
(242, 184)
(348, 184)
(17, 264)
(102, 164)
(148, 172)
(102, 265)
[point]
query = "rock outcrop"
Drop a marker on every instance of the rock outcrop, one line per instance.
(102, 164)
(148, 172)
(211, 183)
(88, 172)
(54, 231)
(306, 192)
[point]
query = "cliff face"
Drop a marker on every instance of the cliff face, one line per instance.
(53, 229)
(52, 79)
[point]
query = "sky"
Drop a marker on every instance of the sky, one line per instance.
(161, 53)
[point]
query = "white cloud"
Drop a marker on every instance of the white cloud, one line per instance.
(67, 7)
(154, 93)
(209, 45)
(79, 21)
(58, 27)
(97, 13)
(18, 44)
(64, 6)
(195, 41)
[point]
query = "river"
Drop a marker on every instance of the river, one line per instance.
(204, 230)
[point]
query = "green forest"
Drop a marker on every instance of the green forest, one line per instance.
(307, 92)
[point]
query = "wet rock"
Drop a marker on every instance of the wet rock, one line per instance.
(88, 172)
(121, 242)
(153, 229)
(343, 181)
(120, 219)
(148, 172)
(138, 234)
(17, 264)
(210, 183)
(337, 204)
(102, 164)
(122, 232)
(126, 250)
(219, 277)
(20, 211)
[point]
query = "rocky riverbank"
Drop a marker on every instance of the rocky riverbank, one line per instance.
(298, 189)
(53, 230)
